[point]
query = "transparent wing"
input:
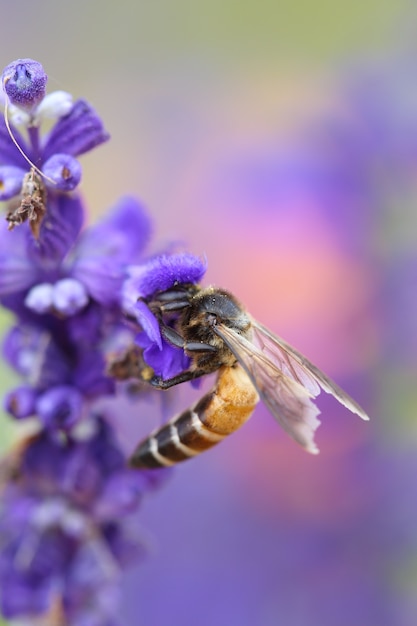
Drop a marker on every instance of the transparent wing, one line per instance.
(285, 380)
(289, 401)
(297, 366)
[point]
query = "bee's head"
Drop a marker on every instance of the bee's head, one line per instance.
(197, 324)
(221, 307)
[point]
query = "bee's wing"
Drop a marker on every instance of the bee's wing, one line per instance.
(286, 381)
(288, 400)
(295, 365)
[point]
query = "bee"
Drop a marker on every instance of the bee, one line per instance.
(218, 335)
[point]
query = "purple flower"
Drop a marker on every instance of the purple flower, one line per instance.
(59, 407)
(68, 492)
(67, 277)
(76, 133)
(167, 360)
(77, 130)
(159, 274)
(11, 178)
(63, 170)
(21, 402)
(63, 377)
(166, 271)
(24, 82)
(62, 526)
(104, 252)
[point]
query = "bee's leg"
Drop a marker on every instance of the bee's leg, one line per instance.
(172, 336)
(159, 383)
(175, 339)
(171, 305)
(173, 299)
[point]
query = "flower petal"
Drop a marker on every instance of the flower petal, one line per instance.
(31, 351)
(121, 235)
(167, 361)
(121, 495)
(59, 408)
(148, 322)
(64, 170)
(163, 272)
(58, 230)
(20, 402)
(69, 296)
(17, 271)
(105, 250)
(39, 298)
(55, 105)
(101, 278)
(11, 180)
(76, 133)
(9, 154)
(24, 594)
(90, 377)
(86, 328)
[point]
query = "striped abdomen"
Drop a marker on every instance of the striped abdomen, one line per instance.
(220, 412)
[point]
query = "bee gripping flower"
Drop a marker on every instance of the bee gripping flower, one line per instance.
(144, 281)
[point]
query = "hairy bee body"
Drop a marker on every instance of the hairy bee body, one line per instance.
(252, 363)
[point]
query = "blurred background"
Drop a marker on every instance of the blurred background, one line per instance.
(280, 140)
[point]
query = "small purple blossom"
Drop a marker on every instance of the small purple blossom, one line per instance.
(78, 129)
(64, 170)
(24, 82)
(60, 524)
(76, 133)
(166, 271)
(166, 361)
(59, 408)
(69, 296)
(144, 281)
(11, 178)
(21, 402)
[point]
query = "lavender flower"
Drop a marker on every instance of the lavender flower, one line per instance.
(159, 274)
(25, 83)
(67, 491)
(61, 521)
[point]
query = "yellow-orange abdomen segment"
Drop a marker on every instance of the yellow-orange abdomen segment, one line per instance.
(230, 403)
(219, 413)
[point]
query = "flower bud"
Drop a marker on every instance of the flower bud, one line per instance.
(55, 105)
(11, 180)
(39, 298)
(24, 81)
(64, 170)
(20, 402)
(59, 408)
(69, 296)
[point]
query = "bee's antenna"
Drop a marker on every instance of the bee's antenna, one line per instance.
(13, 138)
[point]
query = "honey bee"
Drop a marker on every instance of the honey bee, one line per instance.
(252, 363)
